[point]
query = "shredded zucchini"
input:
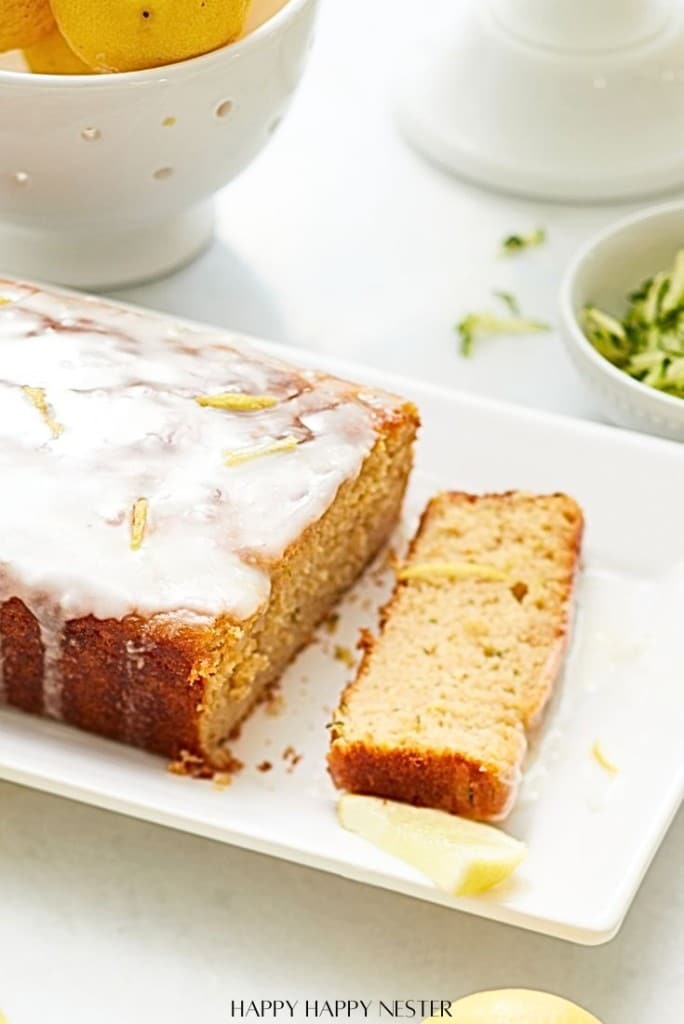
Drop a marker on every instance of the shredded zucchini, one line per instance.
(647, 342)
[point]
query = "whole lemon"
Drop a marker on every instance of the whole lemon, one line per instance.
(23, 22)
(515, 1006)
(126, 35)
(51, 56)
(259, 12)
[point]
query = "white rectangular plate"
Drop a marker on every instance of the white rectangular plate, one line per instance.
(590, 833)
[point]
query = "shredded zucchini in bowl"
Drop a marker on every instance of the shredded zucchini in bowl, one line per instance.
(647, 342)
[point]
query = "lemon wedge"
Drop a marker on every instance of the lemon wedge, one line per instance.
(462, 857)
(514, 1006)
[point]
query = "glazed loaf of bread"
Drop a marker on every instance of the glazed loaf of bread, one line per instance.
(178, 512)
(470, 645)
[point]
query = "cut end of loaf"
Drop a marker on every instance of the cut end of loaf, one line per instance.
(307, 582)
(440, 779)
(464, 663)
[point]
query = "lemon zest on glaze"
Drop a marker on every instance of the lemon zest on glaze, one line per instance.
(138, 522)
(39, 401)
(283, 444)
(236, 401)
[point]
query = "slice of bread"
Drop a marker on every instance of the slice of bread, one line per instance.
(470, 645)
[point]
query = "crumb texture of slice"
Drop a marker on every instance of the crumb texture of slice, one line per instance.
(464, 664)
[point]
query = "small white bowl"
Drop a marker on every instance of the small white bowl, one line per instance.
(107, 179)
(604, 272)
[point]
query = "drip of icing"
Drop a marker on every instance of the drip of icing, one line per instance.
(50, 617)
(123, 385)
(51, 623)
(3, 681)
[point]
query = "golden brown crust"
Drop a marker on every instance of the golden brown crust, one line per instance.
(440, 779)
(22, 656)
(129, 680)
(144, 681)
(444, 779)
(437, 779)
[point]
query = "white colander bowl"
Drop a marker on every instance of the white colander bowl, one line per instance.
(107, 179)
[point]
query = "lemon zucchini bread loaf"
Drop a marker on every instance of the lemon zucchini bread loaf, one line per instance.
(470, 645)
(178, 512)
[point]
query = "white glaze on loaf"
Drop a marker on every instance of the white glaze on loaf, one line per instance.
(122, 385)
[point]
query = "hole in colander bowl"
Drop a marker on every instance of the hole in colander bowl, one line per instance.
(162, 173)
(91, 134)
(168, 122)
(224, 108)
(21, 178)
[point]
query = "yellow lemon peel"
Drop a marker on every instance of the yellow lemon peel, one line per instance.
(116, 35)
(514, 1006)
(284, 444)
(51, 55)
(450, 571)
(138, 522)
(236, 401)
(259, 12)
(39, 401)
(23, 23)
(601, 759)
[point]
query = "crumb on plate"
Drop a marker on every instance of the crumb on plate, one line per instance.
(601, 759)
(331, 622)
(344, 655)
(222, 780)
(195, 767)
(275, 703)
(292, 757)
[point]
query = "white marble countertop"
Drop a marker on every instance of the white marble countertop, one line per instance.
(341, 239)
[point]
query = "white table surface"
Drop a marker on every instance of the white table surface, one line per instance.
(338, 238)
